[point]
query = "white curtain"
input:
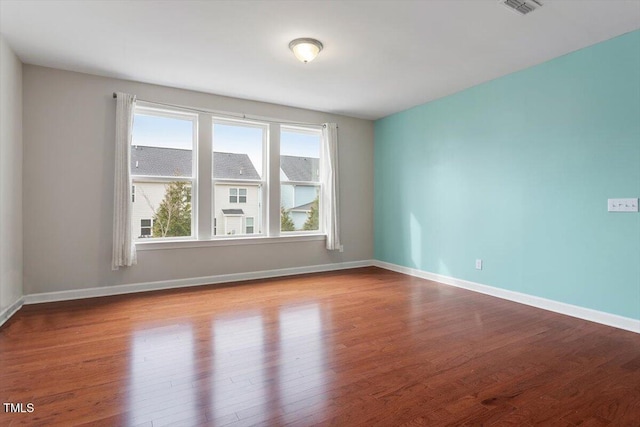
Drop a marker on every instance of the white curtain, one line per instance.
(124, 250)
(329, 179)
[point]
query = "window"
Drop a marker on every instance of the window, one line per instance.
(246, 191)
(299, 179)
(145, 228)
(237, 195)
(162, 170)
(238, 178)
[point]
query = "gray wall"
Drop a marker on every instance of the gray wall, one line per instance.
(69, 121)
(10, 176)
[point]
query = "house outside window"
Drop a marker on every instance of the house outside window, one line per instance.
(164, 155)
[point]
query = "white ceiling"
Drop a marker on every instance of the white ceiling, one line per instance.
(380, 57)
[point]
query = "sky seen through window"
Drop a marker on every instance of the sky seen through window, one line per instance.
(157, 131)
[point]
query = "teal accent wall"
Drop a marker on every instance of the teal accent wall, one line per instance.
(517, 172)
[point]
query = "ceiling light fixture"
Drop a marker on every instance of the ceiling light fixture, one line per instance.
(305, 49)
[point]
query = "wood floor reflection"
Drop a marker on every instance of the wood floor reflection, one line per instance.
(359, 347)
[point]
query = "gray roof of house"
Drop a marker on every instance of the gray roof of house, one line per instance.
(306, 207)
(233, 166)
(300, 168)
(159, 161)
(232, 211)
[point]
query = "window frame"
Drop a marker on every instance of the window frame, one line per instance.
(246, 225)
(238, 195)
(242, 183)
(318, 184)
(203, 182)
(150, 227)
(148, 109)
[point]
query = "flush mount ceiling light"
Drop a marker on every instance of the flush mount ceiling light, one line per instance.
(305, 49)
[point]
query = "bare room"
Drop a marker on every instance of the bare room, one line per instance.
(342, 212)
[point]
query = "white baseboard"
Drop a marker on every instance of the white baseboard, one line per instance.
(616, 321)
(180, 283)
(10, 310)
(608, 319)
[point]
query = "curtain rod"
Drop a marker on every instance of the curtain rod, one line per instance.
(235, 116)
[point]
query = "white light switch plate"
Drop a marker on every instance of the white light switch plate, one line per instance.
(622, 205)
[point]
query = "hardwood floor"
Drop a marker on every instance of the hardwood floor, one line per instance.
(364, 347)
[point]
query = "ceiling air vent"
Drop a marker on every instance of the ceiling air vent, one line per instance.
(522, 6)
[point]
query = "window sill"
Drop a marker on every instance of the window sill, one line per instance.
(226, 241)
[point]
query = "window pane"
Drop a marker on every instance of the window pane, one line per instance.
(232, 218)
(300, 155)
(303, 217)
(300, 163)
(162, 209)
(161, 146)
(237, 151)
(238, 157)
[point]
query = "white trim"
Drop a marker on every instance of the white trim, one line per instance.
(11, 310)
(254, 239)
(304, 129)
(180, 283)
(147, 108)
(596, 316)
(225, 115)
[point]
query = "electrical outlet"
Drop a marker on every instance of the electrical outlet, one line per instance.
(622, 205)
(478, 264)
